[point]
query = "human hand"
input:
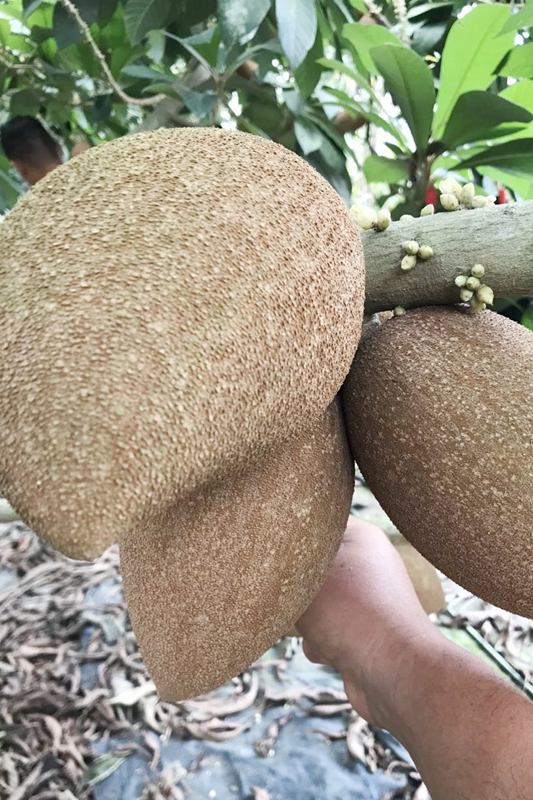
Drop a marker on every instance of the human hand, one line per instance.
(365, 617)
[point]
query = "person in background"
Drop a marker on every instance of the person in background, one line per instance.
(469, 732)
(31, 148)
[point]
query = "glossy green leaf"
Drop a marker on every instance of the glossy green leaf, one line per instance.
(143, 16)
(470, 57)
(378, 169)
(308, 136)
(410, 84)
(308, 73)
(297, 26)
(520, 62)
(476, 115)
(520, 93)
(354, 106)
(521, 20)
(364, 37)
(515, 156)
(238, 19)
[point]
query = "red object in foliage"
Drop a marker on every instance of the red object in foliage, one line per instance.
(502, 196)
(431, 195)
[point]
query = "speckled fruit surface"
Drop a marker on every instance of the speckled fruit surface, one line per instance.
(439, 412)
(220, 577)
(174, 305)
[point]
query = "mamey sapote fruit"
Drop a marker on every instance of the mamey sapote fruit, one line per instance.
(438, 406)
(174, 306)
(216, 579)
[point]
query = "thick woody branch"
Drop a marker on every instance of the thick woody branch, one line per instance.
(500, 238)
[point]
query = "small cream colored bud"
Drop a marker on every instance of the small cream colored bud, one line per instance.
(478, 270)
(468, 192)
(405, 217)
(466, 295)
(365, 217)
(485, 294)
(408, 263)
(451, 186)
(460, 281)
(427, 210)
(425, 252)
(479, 201)
(490, 199)
(473, 283)
(399, 311)
(411, 247)
(384, 219)
(477, 305)
(449, 202)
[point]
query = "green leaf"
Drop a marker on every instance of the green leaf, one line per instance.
(378, 169)
(364, 37)
(94, 10)
(520, 62)
(308, 136)
(27, 101)
(65, 29)
(521, 185)
(143, 16)
(410, 84)
(520, 93)
(522, 19)
(527, 317)
(201, 104)
(354, 106)
(30, 5)
(146, 73)
(308, 73)
(238, 19)
(297, 26)
(515, 156)
(470, 57)
(339, 66)
(206, 43)
(476, 115)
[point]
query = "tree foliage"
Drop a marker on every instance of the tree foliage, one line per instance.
(401, 93)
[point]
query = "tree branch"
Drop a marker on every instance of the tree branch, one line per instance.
(500, 238)
(119, 91)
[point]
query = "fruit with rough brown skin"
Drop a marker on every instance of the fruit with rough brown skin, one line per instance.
(174, 305)
(439, 411)
(215, 580)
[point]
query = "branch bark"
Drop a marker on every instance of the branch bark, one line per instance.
(500, 238)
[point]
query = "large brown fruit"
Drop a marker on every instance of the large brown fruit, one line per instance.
(439, 410)
(173, 306)
(216, 579)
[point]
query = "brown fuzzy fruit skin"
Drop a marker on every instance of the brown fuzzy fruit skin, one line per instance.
(439, 411)
(173, 305)
(219, 578)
